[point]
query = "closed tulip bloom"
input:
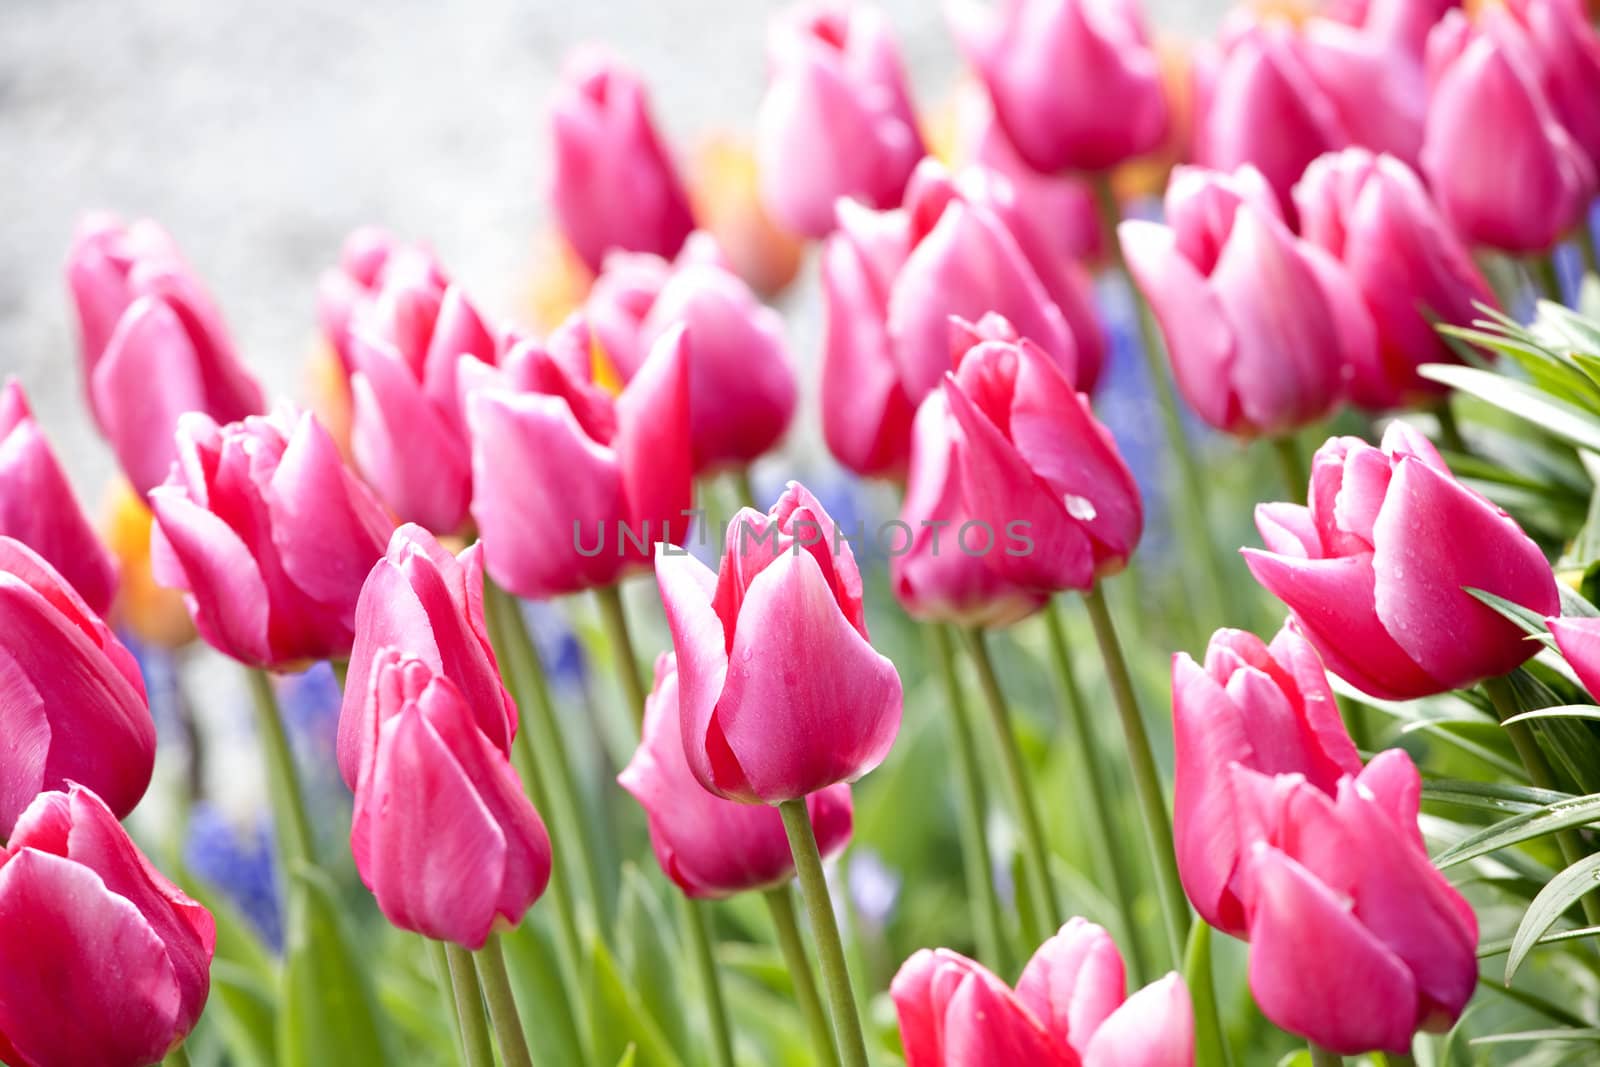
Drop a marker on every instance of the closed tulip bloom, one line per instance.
(836, 120)
(572, 487)
(1262, 327)
(741, 378)
(370, 260)
(1356, 940)
(1505, 171)
(37, 506)
(1070, 1009)
(442, 832)
(1266, 707)
(1373, 570)
(103, 961)
(269, 534)
(781, 692)
(1075, 83)
(1565, 49)
(615, 185)
(1373, 214)
(1579, 642)
(422, 599)
(1061, 206)
(1403, 23)
(708, 846)
(71, 697)
(154, 344)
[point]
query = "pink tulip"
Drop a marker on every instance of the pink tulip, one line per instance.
(708, 846)
(421, 599)
(103, 961)
(572, 487)
(1356, 940)
(37, 506)
(154, 345)
(781, 693)
(1373, 571)
(442, 833)
(1374, 80)
(1565, 53)
(1503, 168)
(741, 378)
(1075, 83)
(1061, 207)
(269, 534)
(1263, 328)
(71, 697)
(370, 261)
(1070, 1009)
(1373, 214)
(836, 120)
(1403, 23)
(1265, 707)
(1579, 642)
(615, 186)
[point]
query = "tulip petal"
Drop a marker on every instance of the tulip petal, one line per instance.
(1579, 642)
(205, 558)
(1074, 982)
(654, 444)
(687, 586)
(1208, 736)
(1152, 1028)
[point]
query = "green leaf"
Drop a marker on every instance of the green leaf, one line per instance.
(533, 962)
(1548, 371)
(1560, 711)
(1575, 604)
(1502, 945)
(328, 1016)
(1551, 903)
(245, 1009)
(1562, 815)
(618, 1018)
(1489, 796)
(1566, 421)
(630, 1054)
(652, 958)
(1530, 621)
(1524, 1036)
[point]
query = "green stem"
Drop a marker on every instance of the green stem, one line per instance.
(1291, 466)
(1546, 279)
(508, 1032)
(441, 974)
(1035, 852)
(615, 619)
(290, 824)
(781, 906)
(1093, 792)
(1449, 430)
(745, 488)
(469, 1007)
(1321, 1057)
(1400, 1059)
(977, 862)
(1210, 1044)
(1146, 779)
(1591, 258)
(178, 1057)
(694, 920)
(825, 928)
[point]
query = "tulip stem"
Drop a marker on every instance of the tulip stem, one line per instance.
(1036, 855)
(1210, 1043)
(825, 928)
(1449, 430)
(614, 616)
(469, 1007)
(1292, 467)
(694, 920)
(1591, 258)
(178, 1057)
(1546, 278)
(291, 826)
(977, 861)
(745, 488)
(1400, 1059)
(441, 974)
(1321, 1057)
(1093, 792)
(781, 906)
(1146, 778)
(508, 1032)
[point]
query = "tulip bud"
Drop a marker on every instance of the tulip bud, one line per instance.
(1374, 569)
(615, 186)
(708, 846)
(836, 120)
(1565, 53)
(37, 506)
(442, 832)
(572, 488)
(1373, 214)
(782, 694)
(1070, 1008)
(270, 534)
(427, 602)
(154, 345)
(1075, 83)
(741, 380)
(1263, 328)
(71, 695)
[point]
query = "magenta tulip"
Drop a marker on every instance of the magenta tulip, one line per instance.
(370, 261)
(421, 599)
(614, 186)
(71, 697)
(37, 506)
(573, 487)
(1061, 206)
(103, 961)
(1565, 50)
(1579, 642)
(443, 833)
(836, 120)
(1374, 570)
(269, 534)
(781, 692)
(154, 345)
(741, 378)
(708, 846)
(1070, 1009)
(1374, 215)
(1403, 23)
(1075, 83)
(1263, 328)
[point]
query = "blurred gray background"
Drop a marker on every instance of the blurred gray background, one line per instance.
(260, 134)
